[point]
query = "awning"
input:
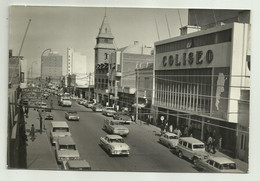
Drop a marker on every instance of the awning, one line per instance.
(139, 105)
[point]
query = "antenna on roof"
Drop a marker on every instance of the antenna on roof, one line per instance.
(168, 26)
(179, 17)
(157, 29)
(214, 17)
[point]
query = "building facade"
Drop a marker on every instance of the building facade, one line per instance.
(122, 73)
(198, 81)
(52, 67)
(104, 47)
(76, 62)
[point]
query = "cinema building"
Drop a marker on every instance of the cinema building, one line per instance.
(200, 80)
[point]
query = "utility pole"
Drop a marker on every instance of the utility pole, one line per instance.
(136, 94)
(89, 77)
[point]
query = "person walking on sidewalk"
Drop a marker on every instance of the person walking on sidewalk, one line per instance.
(32, 133)
(40, 123)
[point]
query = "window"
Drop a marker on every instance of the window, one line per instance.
(189, 146)
(211, 162)
(185, 143)
(217, 165)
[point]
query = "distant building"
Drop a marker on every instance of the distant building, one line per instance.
(122, 73)
(76, 62)
(52, 67)
(14, 68)
(104, 47)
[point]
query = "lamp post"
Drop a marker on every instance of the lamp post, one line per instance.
(42, 57)
(32, 67)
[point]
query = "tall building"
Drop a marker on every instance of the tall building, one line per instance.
(76, 62)
(104, 47)
(52, 66)
(200, 79)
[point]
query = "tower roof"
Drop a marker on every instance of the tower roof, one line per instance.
(105, 30)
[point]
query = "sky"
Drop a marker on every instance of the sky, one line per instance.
(77, 27)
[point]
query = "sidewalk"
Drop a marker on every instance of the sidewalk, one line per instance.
(240, 164)
(39, 152)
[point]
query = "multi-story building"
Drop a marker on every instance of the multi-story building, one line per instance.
(14, 68)
(52, 66)
(104, 47)
(122, 73)
(199, 81)
(77, 63)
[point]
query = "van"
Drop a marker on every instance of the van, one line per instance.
(58, 129)
(191, 148)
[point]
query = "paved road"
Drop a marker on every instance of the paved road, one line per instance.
(146, 153)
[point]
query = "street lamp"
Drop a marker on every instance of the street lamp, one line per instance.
(42, 57)
(32, 67)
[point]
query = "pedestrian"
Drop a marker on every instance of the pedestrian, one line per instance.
(209, 143)
(32, 133)
(213, 145)
(51, 104)
(41, 123)
(170, 128)
(220, 143)
(186, 131)
(179, 134)
(26, 111)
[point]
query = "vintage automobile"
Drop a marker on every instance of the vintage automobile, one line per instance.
(89, 104)
(115, 127)
(48, 116)
(97, 108)
(124, 117)
(76, 165)
(191, 148)
(217, 164)
(72, 115)
(65, 149)
(58, 129)
(114, 145)
(108, 111)
(169, 139)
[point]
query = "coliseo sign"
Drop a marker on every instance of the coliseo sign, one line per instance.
(188, 58)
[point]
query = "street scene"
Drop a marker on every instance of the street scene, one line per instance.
(129, 90)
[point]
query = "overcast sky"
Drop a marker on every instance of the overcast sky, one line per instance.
(77, 27)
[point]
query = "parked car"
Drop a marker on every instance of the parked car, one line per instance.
(124, 117)
(169, 139)
(114, 145)
(108, 111)
(72, 115)
(48, 116)
(76, 165)
(191, 148)
(97, 108)
(65, 149)
(217, 164)
(81, 101)
(58, 129)
(89, 104)
(115, 127)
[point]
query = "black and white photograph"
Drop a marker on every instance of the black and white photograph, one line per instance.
(94, 89)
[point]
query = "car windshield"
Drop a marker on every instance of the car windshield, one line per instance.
(173, 137)
(72, 112)
(110, 108)
(116, 123)
(227, 166)
(118, 140)
(198, 146)
(60, 129)
(67, 147)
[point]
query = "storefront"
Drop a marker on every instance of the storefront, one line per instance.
(196, 82)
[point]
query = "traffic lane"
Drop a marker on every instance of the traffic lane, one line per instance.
(145, 154)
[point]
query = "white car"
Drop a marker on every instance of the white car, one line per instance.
(114, 145)
(77, 165)
(217, 164)
(169, 139)
(72, 115)
(58, 129)
(115, 127)
(108, 111)
(66, 149)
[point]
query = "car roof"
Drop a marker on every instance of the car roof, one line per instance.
(170, 134)
(222, 160)
(78, 164)
(66, 140)
(191, 140)
(111, 136)
(59, 124)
